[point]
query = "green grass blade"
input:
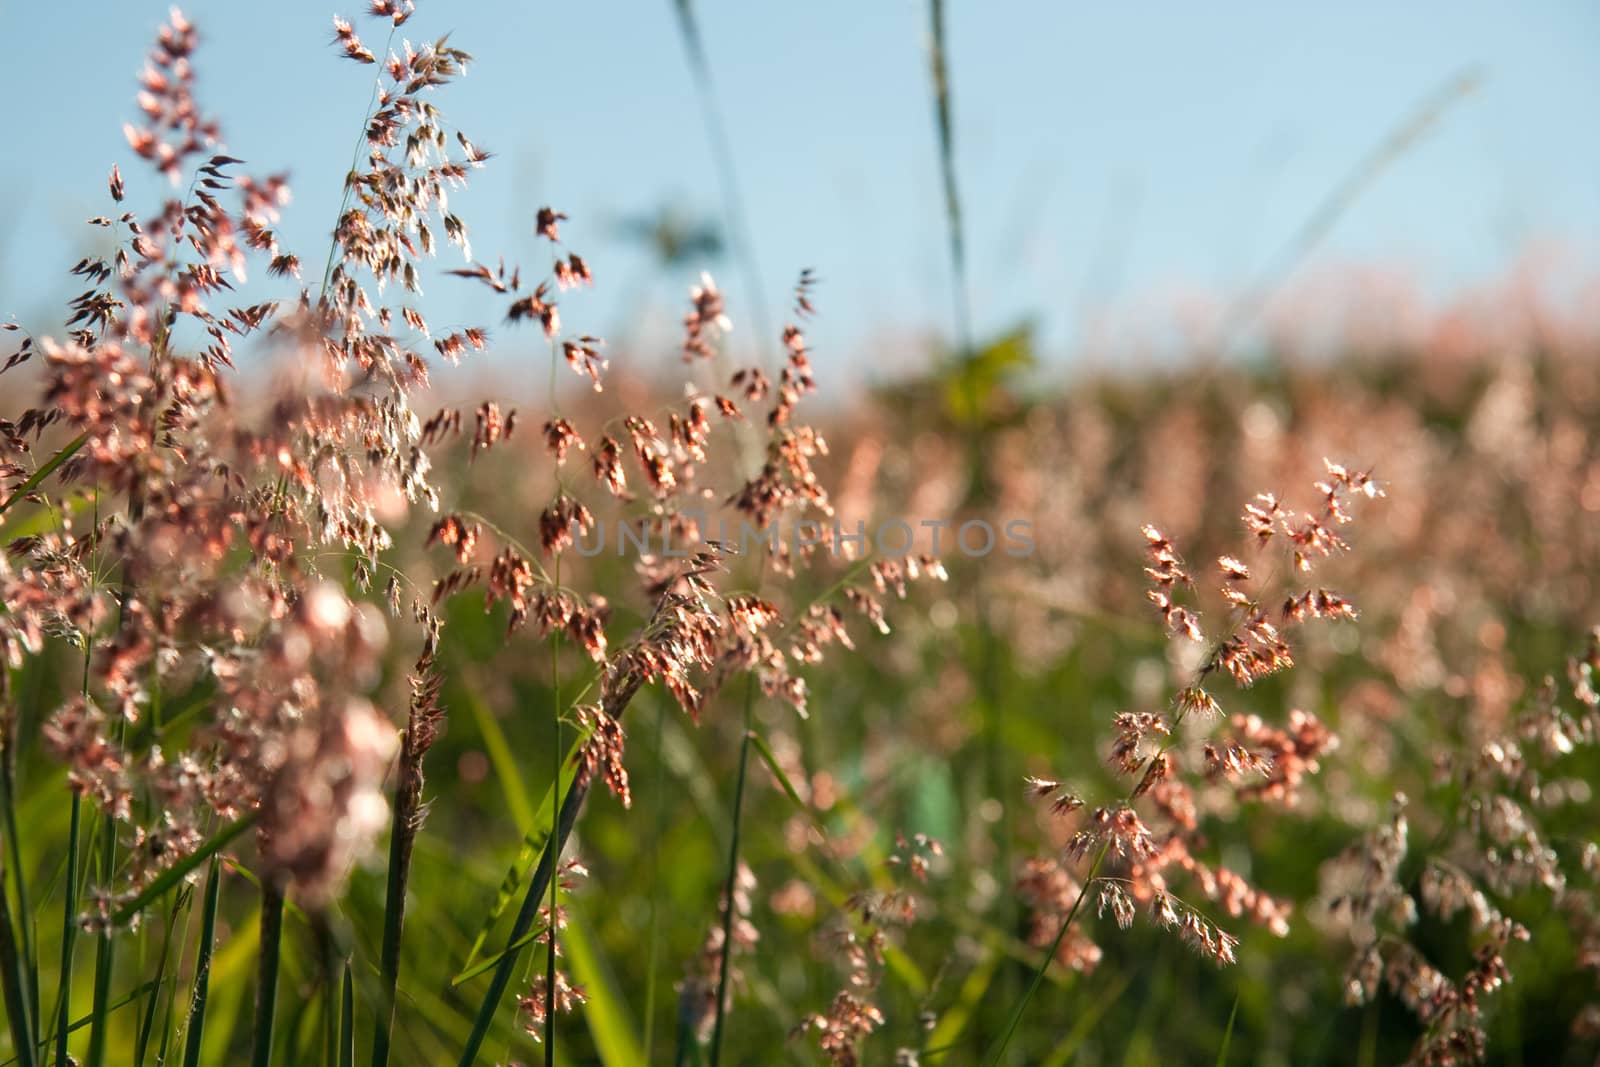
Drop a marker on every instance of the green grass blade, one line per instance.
(725, 964)
(765, 752)
(28, 956)
(202, 968)
(105, 952)
(48, 519)
(69, 930)
(68, 450)
(1227, 1035)
(13, 982)
(527, 852)
(504, 763)
(347, 1020)
(606, 1013)
(303, 1031)
(737, 221)
(529, 820)
(488, 963)
(78, 1024)
(945, 123)
(1049, 957)
(180, 870)
(172, 994)
(406, 824)
(267, 974)
(953, 1020)
(1086, 1023)
(231, 965)
(148, 1022)
(548, 859)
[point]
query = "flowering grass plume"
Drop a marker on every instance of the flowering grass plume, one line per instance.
(1255, 763)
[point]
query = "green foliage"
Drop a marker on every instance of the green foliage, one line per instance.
(974, 385)
(926, 733)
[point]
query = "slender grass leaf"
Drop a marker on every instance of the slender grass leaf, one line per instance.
(1227, 1035)
(542, 876)
(347, 1020)
(504, 763)
(180, 870)
(268, 961)
(33, 481)
(532, 822)
(14, 982)
(148, 1022)
(79, 1023)
(69, 929)
(25, 913)
(953, 1019)
(104, 955)
(1086, 1023)
(230, 970)
(202, 967)
(765, 752)
(606, 1013)
(488, 963)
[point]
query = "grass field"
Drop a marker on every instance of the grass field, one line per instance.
(1245, 711)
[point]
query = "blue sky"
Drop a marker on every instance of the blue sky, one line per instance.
(1106, 151)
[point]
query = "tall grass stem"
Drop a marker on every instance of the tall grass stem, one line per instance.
(267, 972)
(195, 1028)
(732, 880)
(69, 928)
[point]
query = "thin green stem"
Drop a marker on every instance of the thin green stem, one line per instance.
(1050, 954)
(555, 828)
(393, 926)
(945, 123)
(69, 908)
(148, 1021)
(12, 981)
(202, 967)
(523, 923)
(103, 961)
(105, 948)
(172, 994)
(104, 957)
(69, 928)
(355, 160)
(1044, 967)
(727, 176)
(28, 959)
(347, 1020)
(1351, 187)
(267, 972)
(733, 876)
(659, 792)
(615, 703)
(402, 839)
(67, 451)
(180, 870)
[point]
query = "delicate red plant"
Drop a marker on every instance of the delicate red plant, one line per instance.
(1261, 764)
